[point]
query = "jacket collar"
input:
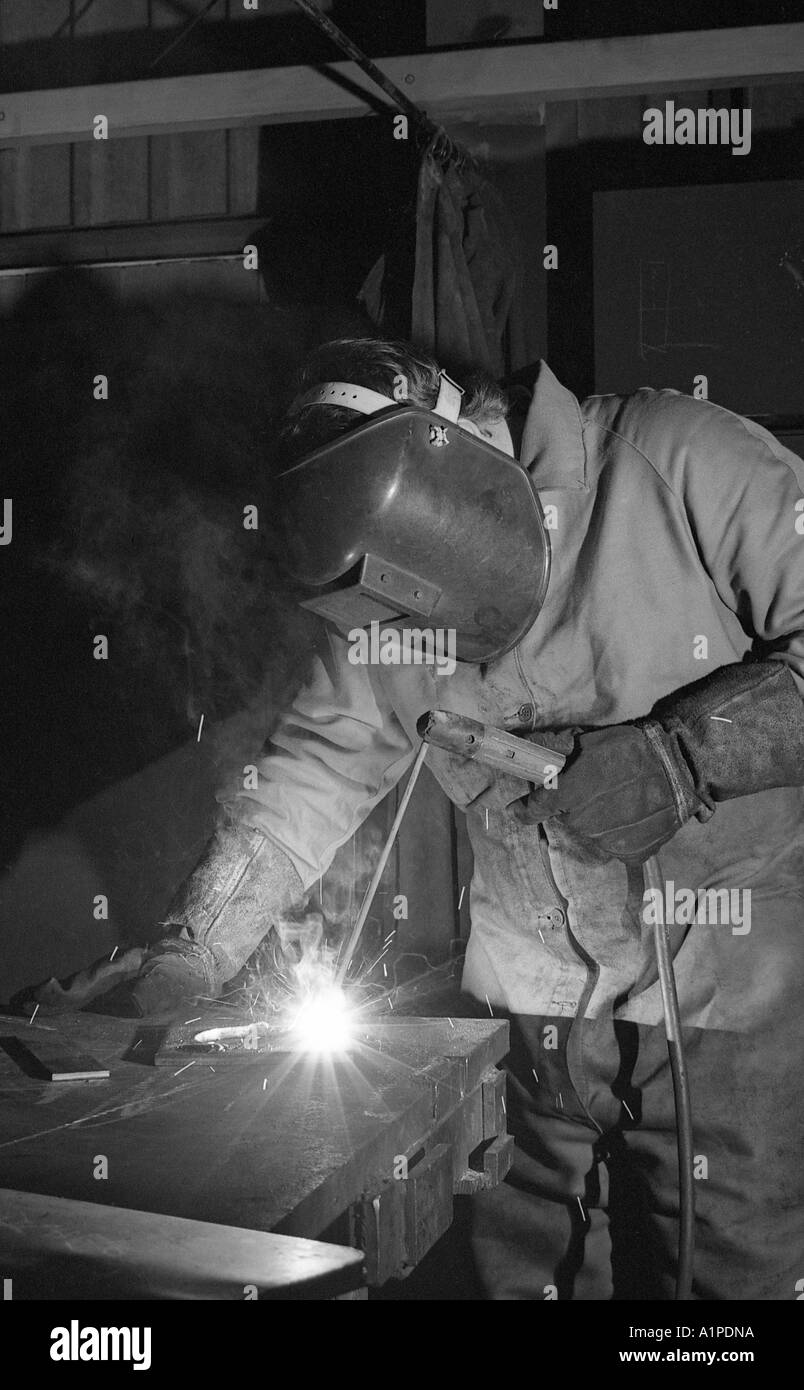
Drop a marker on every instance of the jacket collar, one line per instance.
(552, 447)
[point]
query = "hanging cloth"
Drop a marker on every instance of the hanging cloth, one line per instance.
(466, 270)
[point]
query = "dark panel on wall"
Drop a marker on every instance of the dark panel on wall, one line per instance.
(579, 166)
(707, 280)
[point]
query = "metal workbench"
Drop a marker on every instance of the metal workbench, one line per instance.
(365, 1149)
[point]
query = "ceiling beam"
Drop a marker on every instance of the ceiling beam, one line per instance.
(500, 83)
(141, 241)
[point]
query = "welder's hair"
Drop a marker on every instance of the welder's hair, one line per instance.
(378, 363)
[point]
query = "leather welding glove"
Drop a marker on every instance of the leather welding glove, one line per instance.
(628, 788)
(76, 991)
(241, 885)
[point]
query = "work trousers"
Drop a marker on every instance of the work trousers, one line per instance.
(591, 1207)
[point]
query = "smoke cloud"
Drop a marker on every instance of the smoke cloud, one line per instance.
(135, 504)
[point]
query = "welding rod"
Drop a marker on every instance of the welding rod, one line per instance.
(381, 863)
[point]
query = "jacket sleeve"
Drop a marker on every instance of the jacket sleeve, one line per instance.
(334, 755)
(743, 494)
(741, 728)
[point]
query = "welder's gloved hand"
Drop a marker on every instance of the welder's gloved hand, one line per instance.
(176, 972)
(630, 787)
(240, 888)
(78, 990)
(141, 980)
(614, 792)
(241, 885)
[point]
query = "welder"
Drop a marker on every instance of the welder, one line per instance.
(646, 618)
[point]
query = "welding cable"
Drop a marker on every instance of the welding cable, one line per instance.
(681, 1091)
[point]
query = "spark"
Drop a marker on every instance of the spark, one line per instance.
(487, 818)
(491, 1011)
(200, 727)
(385, 971)
(181, 1069)
(628, 1108)
(720, 719)
(136, 1045)
(451, 1024)
(324, 1021)
(377, 961)
(191, 1020)
(505, 1108)
(33, 1015)
(533, 1069)
(460, 900)
(560, 1100)
(212, 1069)
(391, 1004)
(314, 1012)
(539, 930)
(264, 1082)
(114, 953)
(580, 1204)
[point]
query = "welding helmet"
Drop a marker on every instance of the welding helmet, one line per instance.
(408, 516)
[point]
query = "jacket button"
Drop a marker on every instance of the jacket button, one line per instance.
(526, 712)
(554, 917)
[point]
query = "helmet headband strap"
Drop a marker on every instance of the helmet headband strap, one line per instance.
(344, 393)
(368, 402)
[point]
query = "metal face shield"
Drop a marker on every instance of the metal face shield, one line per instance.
(408, 516)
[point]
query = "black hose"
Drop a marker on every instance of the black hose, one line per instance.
(681, 1092)
(347, 46)
(433, 136)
